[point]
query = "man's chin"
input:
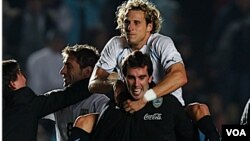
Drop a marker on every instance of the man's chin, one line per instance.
(131, 42)
(137, 97)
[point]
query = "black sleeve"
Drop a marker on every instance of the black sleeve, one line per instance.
(184, 128)
(58, 99)
(113, 125)
(208, 128)
(78, 134)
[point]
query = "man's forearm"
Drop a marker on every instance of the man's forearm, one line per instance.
(174, 79)
(101, 86)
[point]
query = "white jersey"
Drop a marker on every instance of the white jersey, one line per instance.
(65, 118)
(160, 48)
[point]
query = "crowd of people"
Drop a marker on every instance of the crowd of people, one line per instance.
(114, 89)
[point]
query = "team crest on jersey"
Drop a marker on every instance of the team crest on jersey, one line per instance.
(157, 102)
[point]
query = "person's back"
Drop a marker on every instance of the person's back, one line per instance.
(22, 116)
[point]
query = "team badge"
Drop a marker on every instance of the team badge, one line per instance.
(157, 102)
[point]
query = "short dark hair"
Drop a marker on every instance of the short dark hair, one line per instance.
(10, 70)
(137, 59)
(86, 55)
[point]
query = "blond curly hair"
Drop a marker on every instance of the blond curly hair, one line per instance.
(152, 14)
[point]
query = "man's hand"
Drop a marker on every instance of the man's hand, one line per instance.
(118, 88)
(196, 111)
(133, 106)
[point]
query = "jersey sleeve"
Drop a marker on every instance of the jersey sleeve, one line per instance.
(184, 128)
(108, 57)
(100, 102)
(166, 51)
(78, 134)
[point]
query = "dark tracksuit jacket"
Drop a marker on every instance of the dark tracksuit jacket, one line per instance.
(163, 119)
(20, 117)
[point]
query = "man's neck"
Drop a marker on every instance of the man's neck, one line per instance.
(141, 44)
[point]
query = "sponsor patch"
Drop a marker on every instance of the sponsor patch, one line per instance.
(154, 116)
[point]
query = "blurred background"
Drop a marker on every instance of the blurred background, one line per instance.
(213, 37)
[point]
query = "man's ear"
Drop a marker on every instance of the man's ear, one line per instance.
(87, 70)
(150, 27)
(12, 85)
(150, 79)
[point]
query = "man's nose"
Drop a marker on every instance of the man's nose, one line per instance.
(131, 27)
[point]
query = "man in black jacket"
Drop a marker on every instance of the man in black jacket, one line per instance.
(22, 108)
(161, 119)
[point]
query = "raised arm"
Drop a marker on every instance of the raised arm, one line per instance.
(101, 81)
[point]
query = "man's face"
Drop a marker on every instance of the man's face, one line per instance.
(71, 71)
(137, 80)
(137, 31)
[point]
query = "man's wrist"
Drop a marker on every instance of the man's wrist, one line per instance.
(150, 95)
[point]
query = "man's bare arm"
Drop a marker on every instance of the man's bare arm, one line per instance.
(86, 122)
(174, 78)
(102, 81)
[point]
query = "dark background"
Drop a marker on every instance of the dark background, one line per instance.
(212, 36)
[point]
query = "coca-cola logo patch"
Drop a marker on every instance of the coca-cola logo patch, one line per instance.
(154, 116)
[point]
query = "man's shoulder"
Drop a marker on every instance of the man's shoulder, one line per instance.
(116, 46)
(117, 42)
(118, 38)
(93, 98)
(157, 38)
(98, 96)
(170, 99)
